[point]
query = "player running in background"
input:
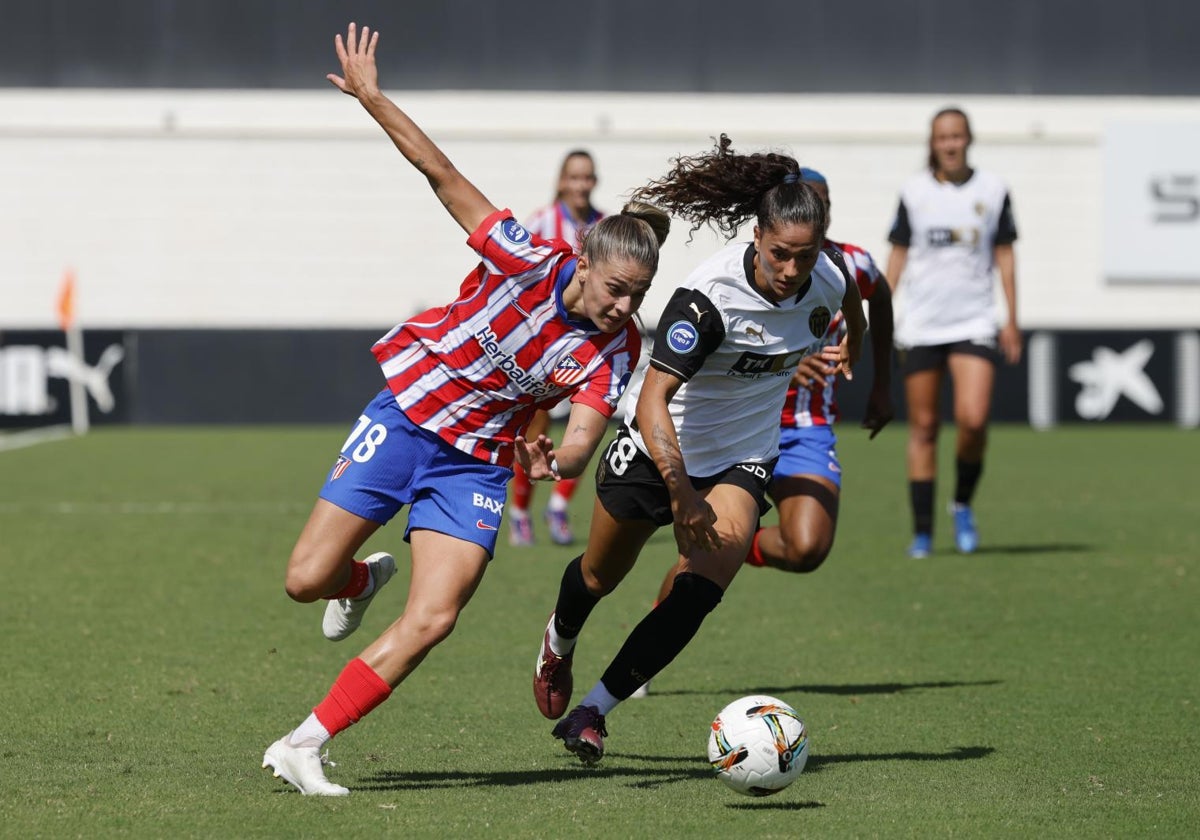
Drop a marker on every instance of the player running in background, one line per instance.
(807, 481)
(953, 225)
(533, 324)
(701, 432)
(568, 219)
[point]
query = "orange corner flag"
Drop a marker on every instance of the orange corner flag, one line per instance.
(66, 300)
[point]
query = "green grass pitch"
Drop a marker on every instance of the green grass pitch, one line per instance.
(1047, 686)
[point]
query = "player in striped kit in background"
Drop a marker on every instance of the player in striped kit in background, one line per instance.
(533, 324)
(567, 219)
(807, 481)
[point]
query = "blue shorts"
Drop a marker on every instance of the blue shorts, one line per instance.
(389, 462)
(811, 450)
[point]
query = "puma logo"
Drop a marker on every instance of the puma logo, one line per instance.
(696, 309)
(756, 332)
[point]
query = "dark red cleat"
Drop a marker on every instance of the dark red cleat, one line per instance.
(582, 732)
(552, 680)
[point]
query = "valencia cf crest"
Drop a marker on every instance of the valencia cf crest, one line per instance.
(818, 321)
(339, 468)
(567, 372)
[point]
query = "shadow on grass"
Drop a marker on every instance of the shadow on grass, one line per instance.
(1037, 548)
(851, 690)
(773, 804)
(618, 766)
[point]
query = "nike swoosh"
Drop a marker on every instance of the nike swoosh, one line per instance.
(483, 526)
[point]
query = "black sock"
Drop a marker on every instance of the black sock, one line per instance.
(574, 601)
(662, 634)
(921, 495)
(968, 478)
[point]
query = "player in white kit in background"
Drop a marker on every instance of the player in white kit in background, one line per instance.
(953, 226)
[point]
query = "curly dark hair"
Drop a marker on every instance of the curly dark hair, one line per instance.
(724, 189)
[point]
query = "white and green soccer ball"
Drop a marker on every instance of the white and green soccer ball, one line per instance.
(758, 745)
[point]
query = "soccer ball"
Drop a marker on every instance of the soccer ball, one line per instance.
(758, 745)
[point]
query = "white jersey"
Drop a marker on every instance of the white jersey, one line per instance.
(950, 230)
(735, 351)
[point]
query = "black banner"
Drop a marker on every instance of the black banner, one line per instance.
(37, 371)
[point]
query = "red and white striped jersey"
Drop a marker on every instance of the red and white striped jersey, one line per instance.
(816, 405)
(475, 371)
(554, 221)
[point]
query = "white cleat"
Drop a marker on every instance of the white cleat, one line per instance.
(643, 691)
(343, 615)
(301, 768)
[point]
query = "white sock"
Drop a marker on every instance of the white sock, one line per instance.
(311, 733)
(558, 645)
(518, 513)
(600, 698)
(557, 503)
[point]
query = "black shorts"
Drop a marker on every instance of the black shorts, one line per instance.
(933, 356)
(629, 486)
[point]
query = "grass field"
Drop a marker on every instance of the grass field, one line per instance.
(1049, 685)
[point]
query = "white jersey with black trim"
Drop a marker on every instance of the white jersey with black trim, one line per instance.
(735, 351)
(946, 293)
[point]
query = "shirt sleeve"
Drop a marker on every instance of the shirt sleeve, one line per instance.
(901, 232)
(866, 273)
(603, 389)
(1006, 226)
(690, 329)
(507, 247)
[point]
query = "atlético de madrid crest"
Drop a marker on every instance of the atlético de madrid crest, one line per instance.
(567, 372)
(818, 321)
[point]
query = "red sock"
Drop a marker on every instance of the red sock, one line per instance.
(755, 557)
(356, 691)
(522, 488)
(565, 488)
(360, 576)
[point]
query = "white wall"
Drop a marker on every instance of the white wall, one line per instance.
(185, 208)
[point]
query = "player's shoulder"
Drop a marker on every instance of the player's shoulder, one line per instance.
(921, 181)
(986, 183)
(720, 270)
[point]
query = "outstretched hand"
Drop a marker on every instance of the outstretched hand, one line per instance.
(841, 356)
(537, 458)
(360, 76)
(879, 411)
(813, 369)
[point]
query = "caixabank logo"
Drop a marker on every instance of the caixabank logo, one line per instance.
(37, 371)
(1126, 376)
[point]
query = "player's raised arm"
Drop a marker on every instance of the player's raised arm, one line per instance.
(360, 79)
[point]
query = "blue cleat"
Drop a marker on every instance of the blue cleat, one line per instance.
(966, 537)
(921, 546)
(560, 527)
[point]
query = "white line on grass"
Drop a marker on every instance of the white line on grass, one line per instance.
(32, 437)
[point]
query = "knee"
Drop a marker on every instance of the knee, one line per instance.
(307, 579)
(973, 429)
(803, 559)
(430, 627)
(698, 593)
(599, 584)
(923, 429)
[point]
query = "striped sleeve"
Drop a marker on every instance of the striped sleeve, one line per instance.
(602, 390)
(508, 248)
